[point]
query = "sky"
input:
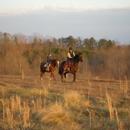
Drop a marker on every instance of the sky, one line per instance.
(108, 19)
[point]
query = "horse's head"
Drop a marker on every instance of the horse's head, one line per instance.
(78, 57)
(55, 62)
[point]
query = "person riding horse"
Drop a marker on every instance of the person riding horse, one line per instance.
(70, 56)
(74, 66)
(49, 59)
(52, 66)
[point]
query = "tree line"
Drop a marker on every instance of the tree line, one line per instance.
(102, 59)
(87, 43)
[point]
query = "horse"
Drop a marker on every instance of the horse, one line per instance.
(54, 63)
(73, 68)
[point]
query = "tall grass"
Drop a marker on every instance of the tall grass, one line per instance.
(22, 73)
(40, 108)
(110, 105)
(124, 87)
(72, 98)
(14, 112)
(54, 114)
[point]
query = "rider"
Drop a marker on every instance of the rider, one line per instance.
(70, 56)
(49, 59)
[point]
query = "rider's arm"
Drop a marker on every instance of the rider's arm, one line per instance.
(73, 53)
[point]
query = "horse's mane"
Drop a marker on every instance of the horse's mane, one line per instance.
(54, 61)
(76, 57)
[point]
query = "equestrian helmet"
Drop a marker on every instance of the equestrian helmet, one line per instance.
(70, 48)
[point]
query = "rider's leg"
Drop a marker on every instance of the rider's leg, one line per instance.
(68, 67)
(65, 66)
(47, 66)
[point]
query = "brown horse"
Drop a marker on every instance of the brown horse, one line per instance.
(54, 63)
(73, 68)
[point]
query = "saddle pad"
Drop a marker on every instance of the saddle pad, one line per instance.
(65, 64)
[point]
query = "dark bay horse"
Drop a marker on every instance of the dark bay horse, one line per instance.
(54, 63)
(73, 68)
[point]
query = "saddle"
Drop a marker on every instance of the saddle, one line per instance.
(47, 65)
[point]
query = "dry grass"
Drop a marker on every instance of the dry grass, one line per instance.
(72, 98)
(15, 112)
(110, 106)
(80, 106)
(54, 114)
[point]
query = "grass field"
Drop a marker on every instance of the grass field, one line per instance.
(26, 103)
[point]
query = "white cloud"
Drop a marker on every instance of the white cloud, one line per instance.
(20, 10)
(49, 8)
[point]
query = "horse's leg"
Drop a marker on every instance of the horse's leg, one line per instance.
(62, 77)
(41, 73)
(65, 76)
(74, 77)
(52, 74)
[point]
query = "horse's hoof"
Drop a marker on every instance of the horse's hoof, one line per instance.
(40, 78)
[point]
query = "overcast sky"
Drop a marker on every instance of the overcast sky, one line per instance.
(109, 19)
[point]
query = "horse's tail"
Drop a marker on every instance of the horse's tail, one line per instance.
(60, 71)
(61, 67)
